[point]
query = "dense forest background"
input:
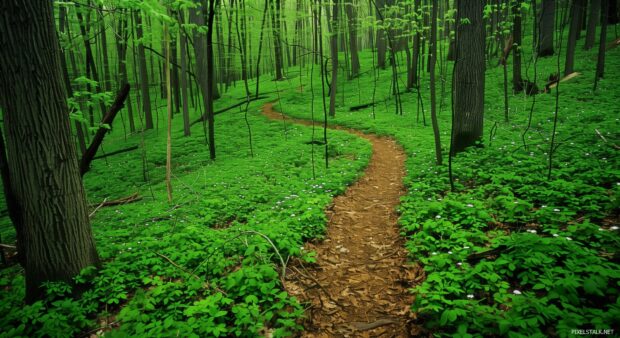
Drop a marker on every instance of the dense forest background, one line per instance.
(148, 190)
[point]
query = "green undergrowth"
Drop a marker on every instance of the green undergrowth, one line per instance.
(209, 263)
(509, 252)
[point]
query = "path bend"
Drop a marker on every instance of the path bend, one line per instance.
(358, 287)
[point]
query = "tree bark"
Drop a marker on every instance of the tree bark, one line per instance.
(122, 39)
(353, 50)
(546, 29)
(144, 79)
(334, 57)
(575, 27)
(55, 241)
(183, 44)
(468, 75)
(600, 62)
(593, 18)
(433, 60)
(277, 43)
(517, 81)
(381, 35)
(210, 75)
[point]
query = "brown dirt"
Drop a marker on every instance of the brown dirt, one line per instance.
(358, 287)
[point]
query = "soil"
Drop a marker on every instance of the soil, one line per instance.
(359, 284)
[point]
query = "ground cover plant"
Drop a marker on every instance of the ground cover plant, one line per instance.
(208, 265)
(203, 213)
(509, 252)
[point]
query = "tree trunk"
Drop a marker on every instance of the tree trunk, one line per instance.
(468, 77)
(600, 62)
(122, 38)
(353, 50)
(517, 81)
(593, 18)
(412, 79)
(433, 51)
(144, 79)
(575, 27)
(210, 76)
(277, 44)
(183, 38)
(334, 58)
(546, 29)
(381, 36)
(104, 51)
(54, 236)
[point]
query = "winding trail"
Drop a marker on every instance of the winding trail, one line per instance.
(358, 287)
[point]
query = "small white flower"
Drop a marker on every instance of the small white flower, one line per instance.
(434, 253)
(465, 247)
(531, 231)
(470, 296)
(555, 235)
(516, 292)
(459, 263)
(449, 252)
(569, 239)
(556, 210)
(615, 227)
(438, 216)
(470, 205)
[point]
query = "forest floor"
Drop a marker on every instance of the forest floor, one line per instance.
(358, 285)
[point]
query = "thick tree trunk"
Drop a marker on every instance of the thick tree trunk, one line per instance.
(54, 236)
(593, 18)
(575, 27)
(468, 77)
(546, 29)
(144, 79)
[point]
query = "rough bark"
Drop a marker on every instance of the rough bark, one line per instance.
(546, 29)
(54, 236)
(468, 76)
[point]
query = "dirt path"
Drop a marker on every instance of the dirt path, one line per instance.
(358, 288)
